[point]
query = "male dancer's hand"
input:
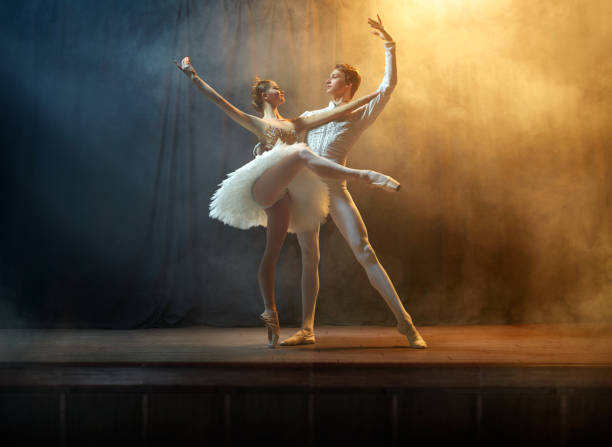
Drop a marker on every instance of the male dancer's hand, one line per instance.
(379, 29)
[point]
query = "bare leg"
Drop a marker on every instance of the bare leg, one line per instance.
(278, 222)
(272, 183)
(348, 219)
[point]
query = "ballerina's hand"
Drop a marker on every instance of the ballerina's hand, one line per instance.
(379, 29)
(186, 67)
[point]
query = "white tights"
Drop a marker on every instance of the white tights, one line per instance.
(345, 214)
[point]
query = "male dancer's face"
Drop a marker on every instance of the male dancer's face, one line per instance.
(337, 86)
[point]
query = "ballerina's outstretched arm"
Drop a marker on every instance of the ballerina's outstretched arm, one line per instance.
(252, 123)
(257, 125)
(308, 122)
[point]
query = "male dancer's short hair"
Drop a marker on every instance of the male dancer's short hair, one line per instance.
(351, 75)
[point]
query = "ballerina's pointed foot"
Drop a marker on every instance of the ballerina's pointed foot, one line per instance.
(378, 180)
(270, 319)
(301, 337)
(414, 338)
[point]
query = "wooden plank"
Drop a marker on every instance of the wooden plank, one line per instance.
(300, 377)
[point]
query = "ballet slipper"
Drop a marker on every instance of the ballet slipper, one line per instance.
(408, 329)
(378, 180)
(301, 337)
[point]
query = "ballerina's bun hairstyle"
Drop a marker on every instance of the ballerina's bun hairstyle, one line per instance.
(351, 75)
(259, 87)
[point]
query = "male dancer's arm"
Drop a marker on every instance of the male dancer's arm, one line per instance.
(368, 113)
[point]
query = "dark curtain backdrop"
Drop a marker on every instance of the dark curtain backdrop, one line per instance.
(499, 130)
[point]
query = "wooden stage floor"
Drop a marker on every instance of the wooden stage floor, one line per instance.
(486, 385)
(570, 355)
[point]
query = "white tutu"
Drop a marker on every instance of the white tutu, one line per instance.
(234, 205)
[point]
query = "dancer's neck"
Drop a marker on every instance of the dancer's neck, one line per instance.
(270, 112)
(339, 101)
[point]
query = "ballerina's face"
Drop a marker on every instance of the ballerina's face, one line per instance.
(274, 95)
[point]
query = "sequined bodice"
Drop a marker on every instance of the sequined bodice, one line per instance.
(272, 133)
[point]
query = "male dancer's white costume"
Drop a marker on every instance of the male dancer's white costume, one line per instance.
(333, 141)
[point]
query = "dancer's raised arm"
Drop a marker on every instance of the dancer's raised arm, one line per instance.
(250, 122)
(308, 122)
(370, 112)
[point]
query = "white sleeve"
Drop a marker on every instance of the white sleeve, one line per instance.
(368, 113)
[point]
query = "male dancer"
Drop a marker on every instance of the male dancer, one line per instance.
(333, 141)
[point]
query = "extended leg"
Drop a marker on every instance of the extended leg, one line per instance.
(348, 219)
(272, 183)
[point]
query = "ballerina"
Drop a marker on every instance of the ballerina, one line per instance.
(274, 190)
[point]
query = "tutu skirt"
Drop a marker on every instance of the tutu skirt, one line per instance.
(233, 202)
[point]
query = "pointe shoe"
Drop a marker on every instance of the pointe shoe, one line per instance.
(414, 338)
(270, 320)
(301, 337)
(378, 180)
